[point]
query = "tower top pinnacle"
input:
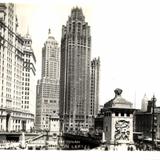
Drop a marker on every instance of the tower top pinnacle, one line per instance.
(49, 31)
(49, 34)
(27, 34)
(77, 13)
(27, 30)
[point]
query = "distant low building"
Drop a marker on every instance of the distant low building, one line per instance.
(157, 122)
(144, 121)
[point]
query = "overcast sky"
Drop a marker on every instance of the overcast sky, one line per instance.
(125, 35)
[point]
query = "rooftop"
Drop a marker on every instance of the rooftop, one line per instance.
(118, 101)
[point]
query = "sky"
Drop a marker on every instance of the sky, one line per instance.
(125, 35)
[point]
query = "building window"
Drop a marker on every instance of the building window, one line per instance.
(116, 114)
(45, 101)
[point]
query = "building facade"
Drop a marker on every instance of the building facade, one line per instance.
(157, 123)
(147, 121)
(54, 125)
(75, 72)
(13, 116)
(95, 71)
(47, 96)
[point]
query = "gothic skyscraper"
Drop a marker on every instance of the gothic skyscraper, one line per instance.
(75, 72)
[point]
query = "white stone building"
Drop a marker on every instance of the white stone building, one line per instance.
(13, 115)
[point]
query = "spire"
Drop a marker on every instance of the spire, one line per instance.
(77, 13)
(28, 35)
(49, 31)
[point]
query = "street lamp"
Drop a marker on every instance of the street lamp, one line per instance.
(153, 120)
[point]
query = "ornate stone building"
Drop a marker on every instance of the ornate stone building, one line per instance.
(75, 72)
(16, 60)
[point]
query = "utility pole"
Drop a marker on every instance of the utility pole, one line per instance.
(47, 130)
(47, 138)
(153, 120)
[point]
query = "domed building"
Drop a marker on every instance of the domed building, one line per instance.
(118, 121)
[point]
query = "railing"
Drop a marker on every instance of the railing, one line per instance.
(32, 139)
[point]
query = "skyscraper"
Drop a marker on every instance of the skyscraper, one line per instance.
(14, 115)
(95, 71)
(47, 98)
(144, 104)
(75, 72)
(28, 80)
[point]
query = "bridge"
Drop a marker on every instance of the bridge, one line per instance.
(65, 141)
(75, 142)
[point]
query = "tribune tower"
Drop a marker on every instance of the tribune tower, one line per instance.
(75, 72)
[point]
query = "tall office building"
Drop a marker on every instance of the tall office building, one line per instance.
(13, 50)
(75, 72)
(95, 71)
(47, 98)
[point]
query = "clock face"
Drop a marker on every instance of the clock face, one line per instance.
(122, 131)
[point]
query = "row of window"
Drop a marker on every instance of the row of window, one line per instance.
(25, 102)
(25, 107)
(117, 114)
(22, 114)
(26, 74)
(26, 97)
(26, 89)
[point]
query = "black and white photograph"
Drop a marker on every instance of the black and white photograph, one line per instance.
(80, 75)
